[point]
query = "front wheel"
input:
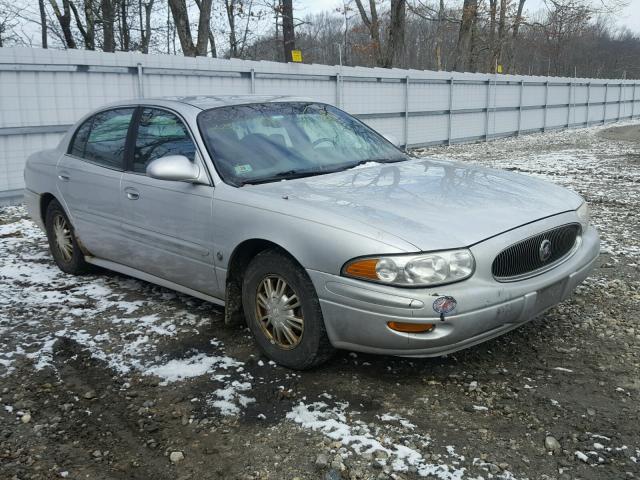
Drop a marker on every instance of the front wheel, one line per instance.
(283, 311)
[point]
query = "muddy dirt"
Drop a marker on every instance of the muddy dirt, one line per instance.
(107, 377)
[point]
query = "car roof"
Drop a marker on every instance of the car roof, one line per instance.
(205, 102)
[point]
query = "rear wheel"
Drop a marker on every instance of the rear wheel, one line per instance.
(62, 241)
(283, 311)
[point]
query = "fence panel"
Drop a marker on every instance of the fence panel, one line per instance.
(43, 92)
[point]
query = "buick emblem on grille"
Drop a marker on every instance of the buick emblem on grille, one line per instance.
(545, 250)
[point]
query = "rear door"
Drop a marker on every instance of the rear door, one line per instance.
(167, 224)
(88, 180)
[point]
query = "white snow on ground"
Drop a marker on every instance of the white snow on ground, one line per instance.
(103, 314)
(342, 425)
(194, 366)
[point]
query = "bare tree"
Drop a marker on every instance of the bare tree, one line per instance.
(372, 24)
(145, 32)
(212, 39)
(181, 20)
(64, 18)
(88, 31)
(43, 23)
(395, 34)
(107, 10)
(463, 56)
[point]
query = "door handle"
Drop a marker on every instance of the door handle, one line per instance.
(63, 177)
(133, 195)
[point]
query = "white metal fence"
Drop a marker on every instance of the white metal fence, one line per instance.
(43, 92)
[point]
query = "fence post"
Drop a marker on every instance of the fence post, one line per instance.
(450, 111)
(546, 105)
(253, 81)
(406, 112)
(338, 96)
(604, 110)
(619, 101)
(569, 105)
(140, 82)
(588, 101)
(520, 107)
(633, 103)
(486, 122)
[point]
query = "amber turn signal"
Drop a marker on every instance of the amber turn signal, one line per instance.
(411, 327)
(363, 268)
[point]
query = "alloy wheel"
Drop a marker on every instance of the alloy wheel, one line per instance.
(63, 239)
(279, 312)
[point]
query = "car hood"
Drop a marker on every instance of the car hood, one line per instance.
(432, 204)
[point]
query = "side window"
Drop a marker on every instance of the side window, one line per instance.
(79, 141)
(160, 133)
(106, 142)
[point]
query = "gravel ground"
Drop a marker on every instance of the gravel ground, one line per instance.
(107, 377)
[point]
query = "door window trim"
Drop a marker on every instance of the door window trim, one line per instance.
(127, 137)
(128, 165)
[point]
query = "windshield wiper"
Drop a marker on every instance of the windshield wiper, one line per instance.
(291, 174)
(287, 174)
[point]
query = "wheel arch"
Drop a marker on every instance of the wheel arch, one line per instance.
(239, 260)
(45, 200)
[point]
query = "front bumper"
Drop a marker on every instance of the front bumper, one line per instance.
(356, 312)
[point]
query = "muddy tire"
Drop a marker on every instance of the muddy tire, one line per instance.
(62, 241)
(283, 312)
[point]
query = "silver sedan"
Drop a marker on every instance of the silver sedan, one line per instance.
(308, 225)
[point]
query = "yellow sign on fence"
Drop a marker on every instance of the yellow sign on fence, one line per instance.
(296, 56)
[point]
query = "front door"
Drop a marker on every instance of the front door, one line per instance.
(167, 224)
(88, 181)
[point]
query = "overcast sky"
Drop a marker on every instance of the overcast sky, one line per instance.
(629, 17)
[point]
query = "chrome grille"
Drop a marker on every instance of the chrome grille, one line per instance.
(524, 259)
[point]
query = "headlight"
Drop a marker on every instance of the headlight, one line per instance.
(583, 215)
(413, 270)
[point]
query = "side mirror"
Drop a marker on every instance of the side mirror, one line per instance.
(174, 167)
(392, 139)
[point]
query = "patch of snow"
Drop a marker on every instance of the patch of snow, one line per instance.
(194, 366)
(340, 424)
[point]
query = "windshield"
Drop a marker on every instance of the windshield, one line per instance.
(258, 143)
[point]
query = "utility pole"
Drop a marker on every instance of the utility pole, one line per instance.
(288, 35)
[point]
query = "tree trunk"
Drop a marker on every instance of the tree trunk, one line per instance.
(146, 37)
(88, 33)
(126, 37)
(374, 29)
(502, 32)
(395, 34)
(64, 18)
(43, 23)
(516, 28)
(233, 41)
(108, 20)
(181, 21)
(465, 45)
(204, 27)
(288, 35)
(493, 12)
(439, 36)
(212, 40)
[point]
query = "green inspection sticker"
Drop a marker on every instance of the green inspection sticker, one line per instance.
(242, 169)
